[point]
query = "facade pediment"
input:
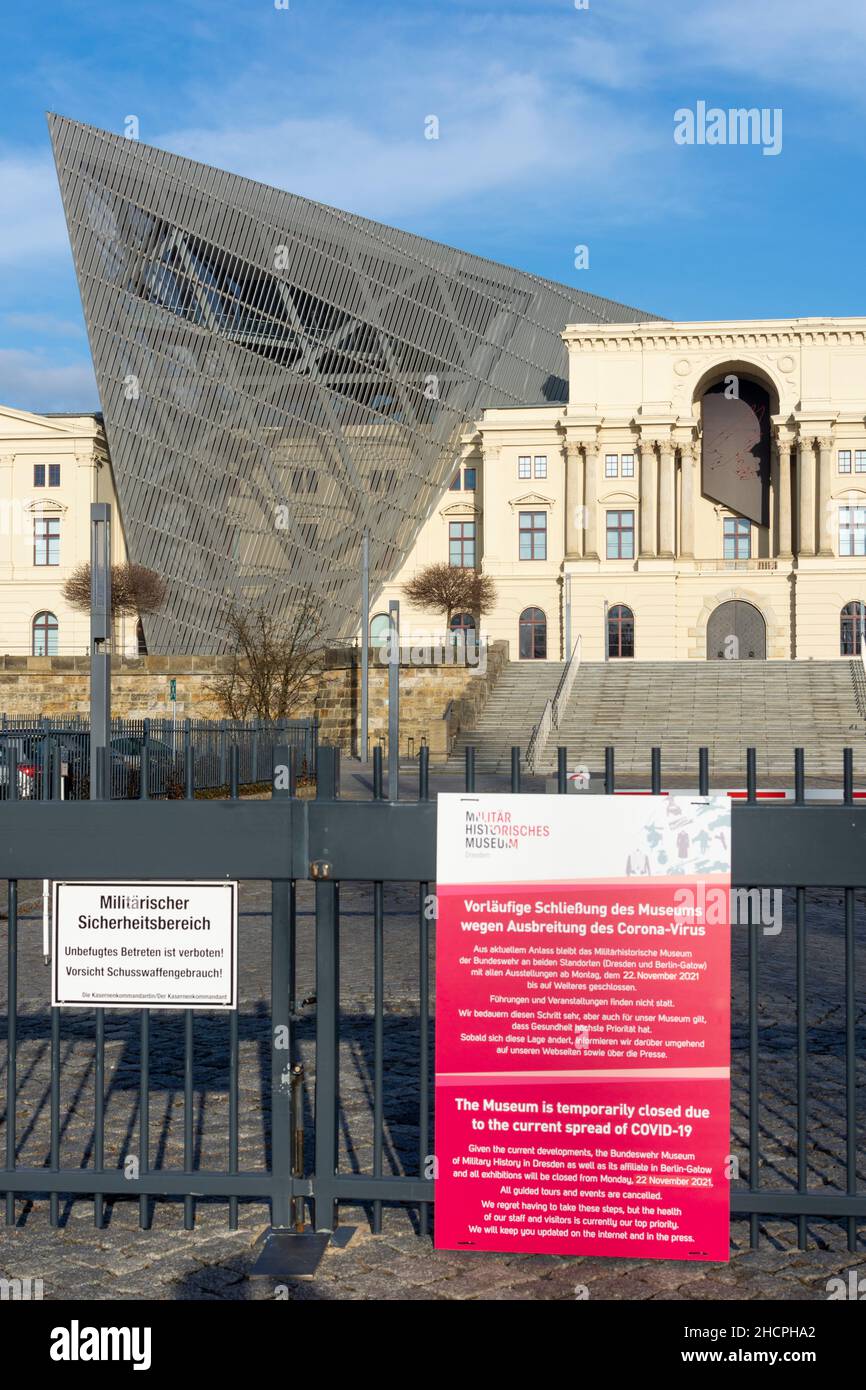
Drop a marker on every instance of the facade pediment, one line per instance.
(531, 499)
(460, 509)
(40, 506)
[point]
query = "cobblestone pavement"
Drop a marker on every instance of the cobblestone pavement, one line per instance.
(123, 1262)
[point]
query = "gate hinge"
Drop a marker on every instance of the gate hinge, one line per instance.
(320, 868)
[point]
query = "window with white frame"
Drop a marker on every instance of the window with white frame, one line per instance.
(46, 540)
(737, 538)
(611, 468)
(860, 460)
(844, 457)
(852, 530)
(541, 465)
(627, 465)
(620, 535)
(533, 536)
(524, 466)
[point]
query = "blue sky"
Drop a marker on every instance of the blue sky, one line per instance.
(556, 129)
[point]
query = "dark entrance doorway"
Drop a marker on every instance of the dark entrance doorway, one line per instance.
(533, 635)
(620, 631)
(736, 631)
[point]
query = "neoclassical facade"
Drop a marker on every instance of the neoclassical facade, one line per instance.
(51, 468)
(702, 494)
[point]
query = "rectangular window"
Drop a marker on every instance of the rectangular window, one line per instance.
(844, 460)
(54, 475)
(852, 530)
(455, 482)
(524, 466)
(627, 465)
(737, 538)
(469, 479)
(610, 465)
(533, 535)
(46, 540)
(461, 544)
(39, 475)
(620, 535)
(541, 466)
(860, 460)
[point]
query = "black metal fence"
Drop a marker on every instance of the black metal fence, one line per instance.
(53, 755)
(797, 1065)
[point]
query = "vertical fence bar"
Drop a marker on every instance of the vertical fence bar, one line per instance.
(188, 1031)
(704, 771)
(562, 770)
(282, 916)
(144, 1114)
(378, 791)
(234, 1035)
(754, 1090)
(802, 1070)
(850, 1062)
(99, 1115)
(327, 1018)
(656, 770)
(609, 771)
(469, 770)
(54, 1103)
(378, 1041)
(515, 769)
(12, 1036)
(424, 1023)
(850, 1020)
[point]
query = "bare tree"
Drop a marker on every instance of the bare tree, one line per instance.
(448, 589)
(272, 661)
(134, 589)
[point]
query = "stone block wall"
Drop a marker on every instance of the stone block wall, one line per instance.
(435, 701)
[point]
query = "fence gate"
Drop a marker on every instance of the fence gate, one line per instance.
(104, 1106)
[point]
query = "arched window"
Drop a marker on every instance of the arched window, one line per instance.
(380, 626)
(463, 623)
(140, 639)
(620, 631)
(45, 631)
(533, 635)
(852, 622)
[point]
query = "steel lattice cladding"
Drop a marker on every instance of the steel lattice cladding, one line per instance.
(276, 375)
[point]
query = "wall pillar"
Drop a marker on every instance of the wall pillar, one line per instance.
(10, 515)
(574, 505)
(807, 495)
(783, 496)
(647, 499)
(667, 500)
(825, 483)
(590, 498)
(688, 466)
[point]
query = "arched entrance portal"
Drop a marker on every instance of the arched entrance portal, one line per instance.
(736, 631)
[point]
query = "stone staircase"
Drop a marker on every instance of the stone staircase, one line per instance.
(513, 708)
(727, 706)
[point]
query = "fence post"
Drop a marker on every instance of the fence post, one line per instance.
(100, 638)
(327, 1011)
(281, 1026)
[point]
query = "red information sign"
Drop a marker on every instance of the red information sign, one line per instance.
(583, 1025)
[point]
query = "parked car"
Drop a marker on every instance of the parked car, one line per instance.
(29, 750)
(164, 766)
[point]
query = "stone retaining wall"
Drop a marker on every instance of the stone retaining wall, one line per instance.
(435, 701)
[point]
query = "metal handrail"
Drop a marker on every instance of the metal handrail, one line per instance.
(566, 682)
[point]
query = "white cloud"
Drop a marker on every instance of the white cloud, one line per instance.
(31, 381)
(32, 228)
(48, 325)
(516, 134)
